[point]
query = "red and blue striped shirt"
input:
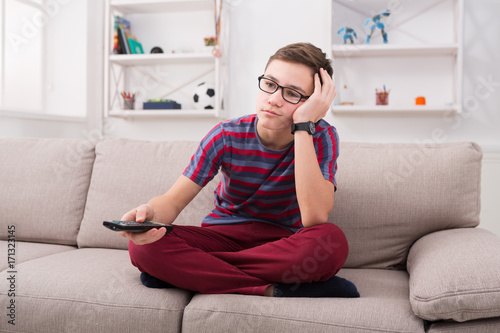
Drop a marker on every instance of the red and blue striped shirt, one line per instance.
(257, 183)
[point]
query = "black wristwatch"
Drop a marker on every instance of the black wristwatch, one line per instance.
(309, 127)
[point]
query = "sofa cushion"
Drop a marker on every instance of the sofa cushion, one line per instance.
(24, 251)
(383, 307)
(128, 173)
(90, 290)
(455, 274)
(474, 326)
(390, 195)
(44, 188)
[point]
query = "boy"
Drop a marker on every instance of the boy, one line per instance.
(268, 233)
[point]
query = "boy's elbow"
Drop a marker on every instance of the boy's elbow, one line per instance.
(317, 218)
(317, 215)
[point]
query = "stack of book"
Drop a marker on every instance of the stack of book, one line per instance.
(123, 40)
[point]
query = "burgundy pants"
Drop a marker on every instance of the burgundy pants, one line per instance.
(242, 258)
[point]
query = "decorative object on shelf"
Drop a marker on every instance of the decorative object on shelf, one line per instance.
(156, 49)
(348, 34)
(420, 100)
(217, 18)
(209, 41)
(161, 104)
(204, 96)
(377, 23)
(216, 52)
(382, 96)
(346, 96)
(209, 44)
(128, 100)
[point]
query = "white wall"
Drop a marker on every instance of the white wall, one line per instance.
(65, 59)
(258, 28)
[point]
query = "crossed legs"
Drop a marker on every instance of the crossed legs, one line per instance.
(243, 258)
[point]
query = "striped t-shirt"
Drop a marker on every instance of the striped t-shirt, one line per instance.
(257, 183)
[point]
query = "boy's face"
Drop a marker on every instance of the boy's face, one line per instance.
(273, 111)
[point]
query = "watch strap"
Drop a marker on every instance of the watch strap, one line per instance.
(307, 126)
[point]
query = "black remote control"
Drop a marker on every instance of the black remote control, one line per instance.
(133, 226)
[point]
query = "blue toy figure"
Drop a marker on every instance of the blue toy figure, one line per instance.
(377, 23)
(348, 34)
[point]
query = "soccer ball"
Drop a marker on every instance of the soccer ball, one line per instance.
(204, 96)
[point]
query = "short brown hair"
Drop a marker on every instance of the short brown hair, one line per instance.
(306, 54)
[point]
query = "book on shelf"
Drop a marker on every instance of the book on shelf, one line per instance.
(121, 24)
(135, 46)
(123, 40)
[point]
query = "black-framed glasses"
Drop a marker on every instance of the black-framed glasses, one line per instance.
(289, 94)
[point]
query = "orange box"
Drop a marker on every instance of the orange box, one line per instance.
(420, 100)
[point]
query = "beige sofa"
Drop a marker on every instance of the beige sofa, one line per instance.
(409, 211)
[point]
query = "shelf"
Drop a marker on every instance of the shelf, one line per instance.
(424, 57)
(161, 113)
(414, 110)
(160, 58)
(182, 24)
(160, 6)
(374, 50)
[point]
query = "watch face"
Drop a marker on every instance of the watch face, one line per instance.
(312, 127)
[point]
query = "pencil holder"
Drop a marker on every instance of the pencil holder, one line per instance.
(382, 98)
(129, 103)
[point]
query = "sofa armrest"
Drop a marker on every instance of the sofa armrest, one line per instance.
(455, 274)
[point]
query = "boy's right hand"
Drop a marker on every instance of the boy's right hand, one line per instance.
(141, 214)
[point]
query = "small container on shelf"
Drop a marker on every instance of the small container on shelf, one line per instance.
(382, 97)
(128, 101)
(420, 100)
(161, 105)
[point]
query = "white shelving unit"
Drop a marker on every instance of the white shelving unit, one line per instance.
(402, 110)
(173, 74)
(387, 50)
(156, 6)
(162, 113)
(423, 57)
(159, 58)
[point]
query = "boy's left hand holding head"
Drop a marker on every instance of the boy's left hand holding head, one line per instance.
(318, 104)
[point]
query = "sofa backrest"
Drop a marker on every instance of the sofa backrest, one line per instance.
(390, 195)
(44, 188)
(128, 173)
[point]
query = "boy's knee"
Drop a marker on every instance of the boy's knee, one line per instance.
(323, 252)
(331, 246)
(328, 235)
